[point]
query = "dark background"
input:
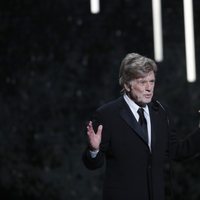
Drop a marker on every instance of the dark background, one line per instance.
(58, 63)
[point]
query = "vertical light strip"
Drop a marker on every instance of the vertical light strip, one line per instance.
(189, 41)
(94, 6)
(157, 30)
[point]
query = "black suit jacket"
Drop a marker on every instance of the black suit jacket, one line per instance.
(133, 171)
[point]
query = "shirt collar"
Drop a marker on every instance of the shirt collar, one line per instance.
(133, 106)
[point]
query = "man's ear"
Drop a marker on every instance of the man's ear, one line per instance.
(127, 87)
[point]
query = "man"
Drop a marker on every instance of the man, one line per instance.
(135, 136)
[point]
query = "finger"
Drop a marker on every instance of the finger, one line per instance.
(90, 129)
(99, 130)
(89, 124)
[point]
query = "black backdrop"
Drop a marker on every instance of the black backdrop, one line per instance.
(58, 63)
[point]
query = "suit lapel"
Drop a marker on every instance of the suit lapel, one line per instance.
(129, 118)
(153, 116)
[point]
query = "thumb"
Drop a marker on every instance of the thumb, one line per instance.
(99, 130)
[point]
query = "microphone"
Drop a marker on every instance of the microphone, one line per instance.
(157, 105)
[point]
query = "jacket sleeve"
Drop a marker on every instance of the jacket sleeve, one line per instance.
(93, 163)
(184, 148)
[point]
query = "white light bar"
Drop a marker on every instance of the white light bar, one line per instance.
(157, 30)
(189, 41)
(94, 6)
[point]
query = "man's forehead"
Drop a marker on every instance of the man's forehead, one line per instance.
(148, 76)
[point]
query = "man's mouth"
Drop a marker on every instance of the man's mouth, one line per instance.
(147, 96)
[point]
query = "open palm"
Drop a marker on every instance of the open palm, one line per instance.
(94, 138)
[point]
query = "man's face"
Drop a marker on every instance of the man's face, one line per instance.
(141, 90)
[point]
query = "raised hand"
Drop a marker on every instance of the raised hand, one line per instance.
(94, 138)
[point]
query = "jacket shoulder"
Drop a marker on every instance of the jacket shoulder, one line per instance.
(111, 105)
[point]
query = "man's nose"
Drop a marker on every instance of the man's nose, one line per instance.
(148, 86)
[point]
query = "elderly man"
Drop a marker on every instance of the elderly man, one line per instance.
(135, 136)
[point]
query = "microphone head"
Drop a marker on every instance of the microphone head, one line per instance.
(155, 105)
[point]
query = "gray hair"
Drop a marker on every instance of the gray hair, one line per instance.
(135, 66)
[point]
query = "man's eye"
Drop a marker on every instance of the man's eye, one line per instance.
(143, 82)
